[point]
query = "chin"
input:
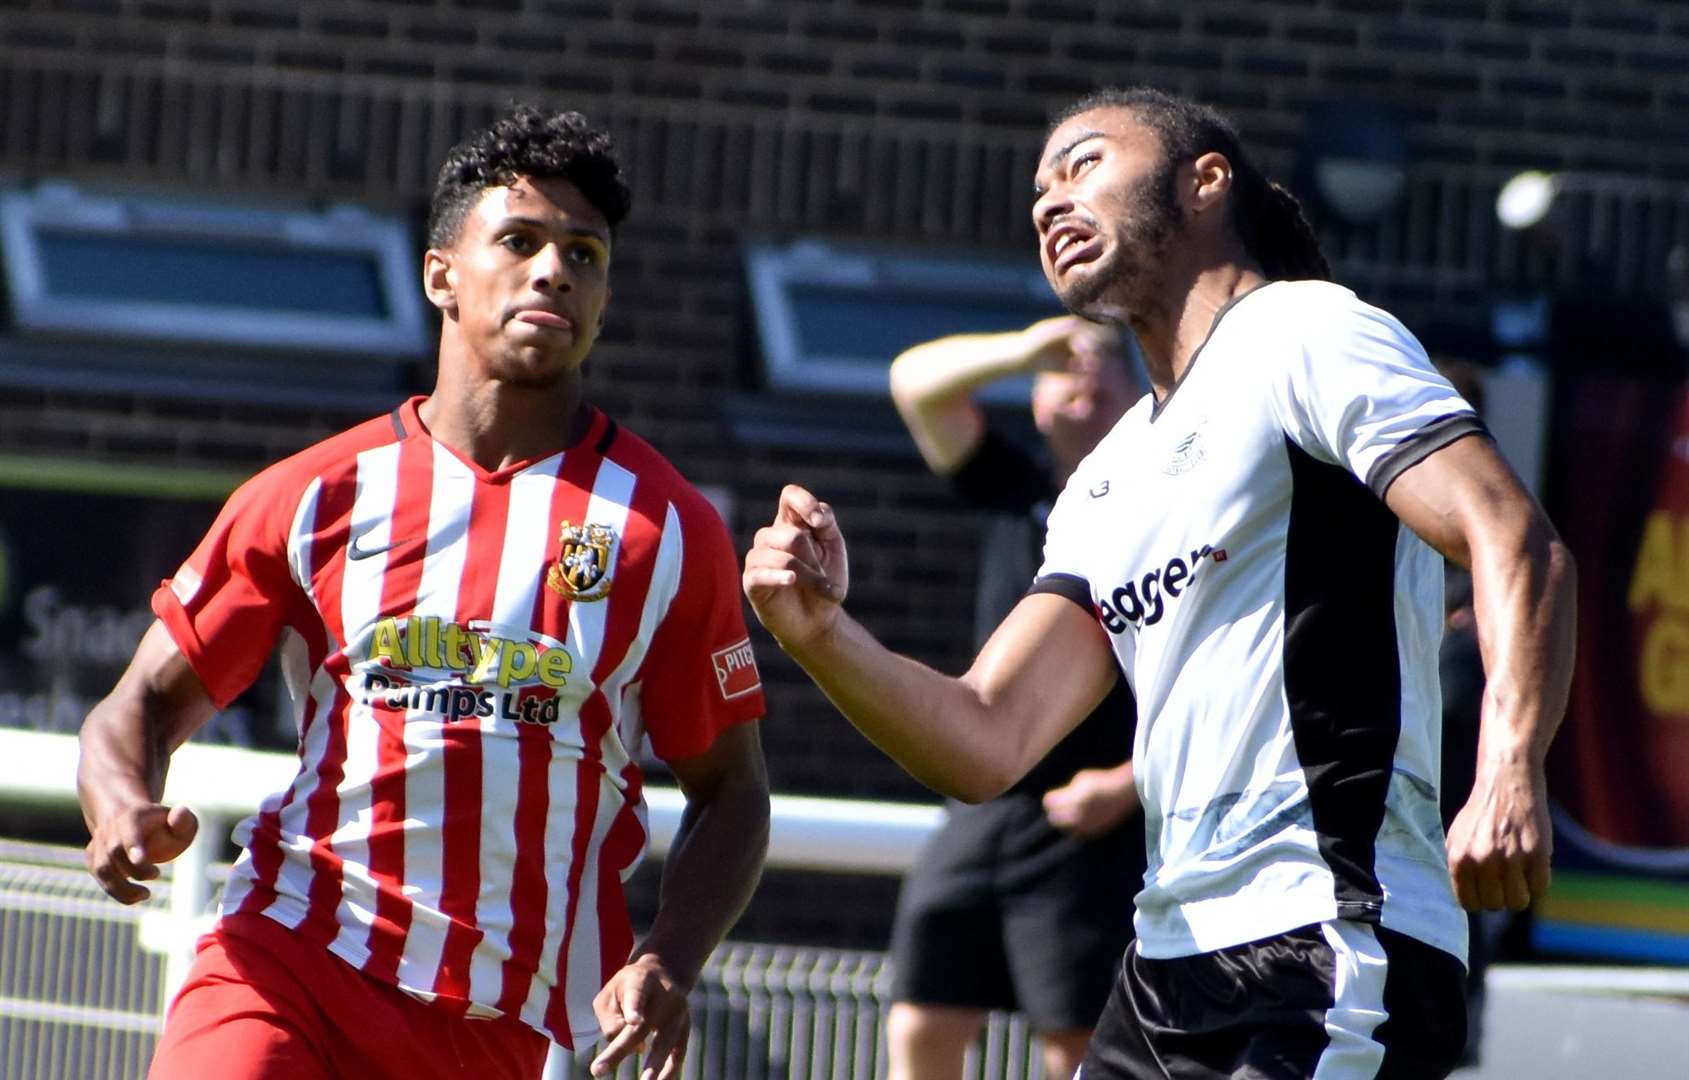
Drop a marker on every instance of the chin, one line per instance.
(1082, 287)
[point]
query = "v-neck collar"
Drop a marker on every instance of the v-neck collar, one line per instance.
(1158, 407)
(407, 423)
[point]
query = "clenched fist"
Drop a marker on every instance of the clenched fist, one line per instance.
(796, 573)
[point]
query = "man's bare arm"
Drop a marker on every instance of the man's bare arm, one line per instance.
(932, 383)
(126, 742)
(709, 875)
(1466, 502)
(1042, 672)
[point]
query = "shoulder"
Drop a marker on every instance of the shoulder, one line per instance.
(275, 492)
(1323, 312)
(662, 481)
(1320, 328)
(339, 451)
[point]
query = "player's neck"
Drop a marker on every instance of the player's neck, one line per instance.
(1170, 342)
(498, 424)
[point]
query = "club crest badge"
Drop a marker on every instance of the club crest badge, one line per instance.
(582, 569)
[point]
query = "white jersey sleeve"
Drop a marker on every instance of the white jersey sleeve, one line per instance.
(1352, 387)
(1063, 570)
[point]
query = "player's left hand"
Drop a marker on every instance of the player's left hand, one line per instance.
(643, 1009)
(1500, 842)
(1093, 802)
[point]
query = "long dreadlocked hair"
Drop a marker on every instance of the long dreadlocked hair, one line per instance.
(1268, 218)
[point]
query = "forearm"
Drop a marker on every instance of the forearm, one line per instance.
(125, 753)
(932, 386)
(127, 739)
(957, 365)
(935, 726)
(710, 873)
(1524, 596)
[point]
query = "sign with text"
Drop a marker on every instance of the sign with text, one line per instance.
(78, 565)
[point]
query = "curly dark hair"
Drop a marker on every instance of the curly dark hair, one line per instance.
(1267, 217)
(532, 142)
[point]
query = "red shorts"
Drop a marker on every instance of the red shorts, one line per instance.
(261, 1003)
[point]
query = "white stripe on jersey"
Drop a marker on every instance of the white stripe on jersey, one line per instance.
(612, 497)
(425, 788)
(585, 958)
(665, 584)
(527, 531)
(1359, 967)
(360, 607)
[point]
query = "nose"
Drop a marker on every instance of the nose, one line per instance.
(546, 270)
(1049, 206)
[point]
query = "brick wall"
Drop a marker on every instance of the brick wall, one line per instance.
(883, 120)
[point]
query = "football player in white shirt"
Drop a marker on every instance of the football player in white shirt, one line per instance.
(1260, 544)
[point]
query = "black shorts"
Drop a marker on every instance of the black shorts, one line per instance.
(1349, 999)
(1004, 911)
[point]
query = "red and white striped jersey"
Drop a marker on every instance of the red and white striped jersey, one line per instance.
(475, 659)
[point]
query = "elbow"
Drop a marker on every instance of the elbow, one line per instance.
(906, 384)
(1562, 566)
(979, 786)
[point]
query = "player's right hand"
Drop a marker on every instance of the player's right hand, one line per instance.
(129, 844)
(796, 573)
(1048, 343)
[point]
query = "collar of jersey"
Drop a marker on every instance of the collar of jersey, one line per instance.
(1158, 407)
(408, 423)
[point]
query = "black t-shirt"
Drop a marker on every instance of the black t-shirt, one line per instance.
(1003, 477)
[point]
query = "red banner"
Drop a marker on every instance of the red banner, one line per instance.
(1621, 763)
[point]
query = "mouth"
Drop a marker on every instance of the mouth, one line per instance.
(1070, 243)
(543, 317)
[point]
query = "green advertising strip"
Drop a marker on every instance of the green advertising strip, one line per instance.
(108, 478)
(1636, 903)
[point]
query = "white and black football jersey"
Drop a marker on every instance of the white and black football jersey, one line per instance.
(1277, 622)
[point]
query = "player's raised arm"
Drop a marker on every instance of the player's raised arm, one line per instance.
(932, 384)
(1467, 503)
(1043, 670)
(127, 741)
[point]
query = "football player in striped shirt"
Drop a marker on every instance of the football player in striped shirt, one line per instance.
(487, 603)
(1259, 543)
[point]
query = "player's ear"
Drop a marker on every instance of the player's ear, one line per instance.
(439, 280)
(1210, 181)
(604, 309)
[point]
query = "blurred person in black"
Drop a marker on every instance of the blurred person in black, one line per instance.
(1024, 902)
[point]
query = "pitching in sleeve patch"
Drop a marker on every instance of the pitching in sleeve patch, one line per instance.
(736, 670)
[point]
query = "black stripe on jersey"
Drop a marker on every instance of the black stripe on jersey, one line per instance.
(1342, 677)
(607, 438)
(398, 423)
(1421, 445)
(1072, 586)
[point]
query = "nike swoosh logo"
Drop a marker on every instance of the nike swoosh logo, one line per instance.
(353, 551)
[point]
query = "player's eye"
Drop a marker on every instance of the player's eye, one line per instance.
(1084, 161)
(584, 254)
(520, 243)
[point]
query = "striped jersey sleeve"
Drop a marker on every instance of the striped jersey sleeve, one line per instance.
(226, 605)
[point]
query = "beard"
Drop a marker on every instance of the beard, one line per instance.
(1127, 272)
